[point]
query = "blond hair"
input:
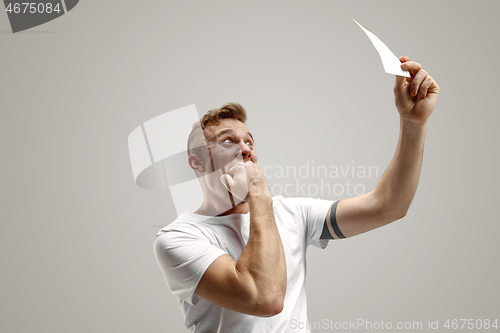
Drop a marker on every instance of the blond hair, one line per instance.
(213, 117)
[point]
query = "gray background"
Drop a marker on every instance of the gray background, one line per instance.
(77, 233)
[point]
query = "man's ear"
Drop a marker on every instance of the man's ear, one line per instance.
(194, 162)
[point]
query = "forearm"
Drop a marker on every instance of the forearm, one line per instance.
(263, 258)
(396, 188)
(415, 99)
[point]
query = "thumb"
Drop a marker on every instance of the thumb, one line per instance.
(226, 180)
(400, 80)
(400, 83)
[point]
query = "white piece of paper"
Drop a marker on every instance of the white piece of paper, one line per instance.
(391, 63)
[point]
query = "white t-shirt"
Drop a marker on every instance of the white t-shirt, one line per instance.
(186, 248)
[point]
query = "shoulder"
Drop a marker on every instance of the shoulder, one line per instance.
(297, 203)
(304, 207)
(288, 203)
(291, 206)
(294, 201)
(183, 228)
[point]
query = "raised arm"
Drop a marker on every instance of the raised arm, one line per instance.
(415, 99)
(256, 283)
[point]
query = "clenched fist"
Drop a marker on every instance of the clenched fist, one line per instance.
(245, 180)
(415, 96)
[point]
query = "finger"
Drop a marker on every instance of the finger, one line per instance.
(401, 80)
(417, 81)
(240, 172)
(227, 181)
(424, 87)
(404, 59)
(232, 170)
(400, 83)
(434, 88)
(411, 66)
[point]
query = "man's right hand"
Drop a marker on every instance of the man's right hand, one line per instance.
(245, 181)
(255, 284)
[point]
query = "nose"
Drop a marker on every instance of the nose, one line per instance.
(244, 151)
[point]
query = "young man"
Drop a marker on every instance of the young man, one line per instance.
(237, 264)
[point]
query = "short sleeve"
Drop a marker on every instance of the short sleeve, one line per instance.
(183, 258)
(313, 213)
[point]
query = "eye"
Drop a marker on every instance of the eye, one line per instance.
(227, 143)
(249, 144)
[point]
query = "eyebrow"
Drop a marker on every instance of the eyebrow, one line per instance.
(228, 130)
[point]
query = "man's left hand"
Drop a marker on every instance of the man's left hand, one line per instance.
(415, 96)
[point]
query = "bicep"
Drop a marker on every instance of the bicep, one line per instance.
(223, 285)
(356, 215)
